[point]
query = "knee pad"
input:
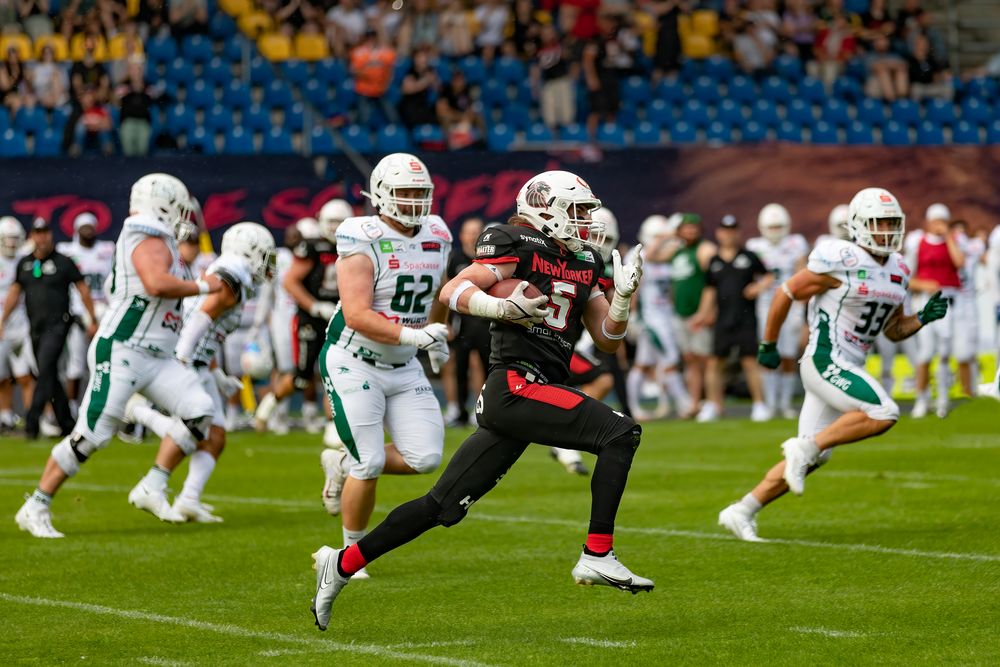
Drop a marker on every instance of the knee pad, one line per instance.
(424, 463)
(453, 513)
(369, 469)
(628, 440)
(887, 411)
(71, 451)
(187, 433)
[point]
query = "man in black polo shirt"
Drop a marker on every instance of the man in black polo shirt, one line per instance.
(734, 279)
(44, 277)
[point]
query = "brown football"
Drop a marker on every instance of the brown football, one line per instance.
(505, 288)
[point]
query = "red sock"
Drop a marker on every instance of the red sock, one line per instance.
(599, 543)
(351, 560)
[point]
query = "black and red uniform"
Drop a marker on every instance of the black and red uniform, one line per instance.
(321, 282)
(524, 399)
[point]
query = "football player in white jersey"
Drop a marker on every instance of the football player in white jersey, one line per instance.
(133, 351)
(95, 260)
(283, 310)
(782, 253)
(837, 224)
(17, 360)
(964, 308)
(389, 271)
(247, 261)
(855, 291)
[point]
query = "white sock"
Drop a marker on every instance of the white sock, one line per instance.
(199, 470)
(353, 536)
(770, 381)
(6, 417)
(157, 478)
(41, 497)
(943, 381)
(309, 411)
(282, 410)
(633, 385)
(676, 388)
(565, 456)
(74, 408)
(787, 390)
(154, 420)
(750, 504)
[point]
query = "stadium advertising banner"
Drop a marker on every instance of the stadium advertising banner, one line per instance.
(808, 180)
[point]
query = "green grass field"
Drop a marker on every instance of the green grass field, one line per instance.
(892, 556)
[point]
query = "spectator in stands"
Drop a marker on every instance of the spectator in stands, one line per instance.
(835, 45)
(601, 73)
(346, 26)
(292, 17)
(876, 21)
(553, 75)
(419, 28)
(9, 19)
(937, 43)
(887, 70)
(152, 17)
(35, 19)
(756, 38)
(526, 28)
(188, 17)
(93, 128)
(667, 58)
(927, 78)
(111, 14)
(136, 117)
(577, 18)
(798, 28)
(492, 17)
(15, 90)
(387, 21)
(416, 106)
(49, 80)
(907, 16)
(134, 56)
(90, 74)
(372, 63)
(454, 30)
(456, 114)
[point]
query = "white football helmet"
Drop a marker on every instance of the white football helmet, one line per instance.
(163, 197)
(611, 233)
(838, 222)
(308, 227)
(559, 204)
(256, 362)
(331, 215)
(396, 172)
(254, 243)
(870, 208)
(774, 222)
(653, 227)
(11, 236)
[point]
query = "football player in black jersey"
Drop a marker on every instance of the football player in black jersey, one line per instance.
(552, 244)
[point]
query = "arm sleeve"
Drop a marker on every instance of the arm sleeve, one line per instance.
(495, 246)
(73, 271)
(195, 328)
(758, 266)
(710, 275)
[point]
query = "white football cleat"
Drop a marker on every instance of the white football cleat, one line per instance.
(155, 502)
(759, 412)
(36, 518)
(334, 463)
(264, 410)
(919, 408)
(741, 524)
(942, 408)
(800, 455)
(328, 584)
(361, 575)
(608, 571)
(277, 425)
(989, 390)
(194, 510)
(709, 413)
(330, 436)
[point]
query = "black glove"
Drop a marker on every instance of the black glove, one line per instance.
(935, 309)
(767, 355)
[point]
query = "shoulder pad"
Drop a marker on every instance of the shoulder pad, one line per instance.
(234, 271)
(834, 255)
(360, 229)
(147, 226)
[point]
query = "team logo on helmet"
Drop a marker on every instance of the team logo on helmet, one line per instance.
(537, 195)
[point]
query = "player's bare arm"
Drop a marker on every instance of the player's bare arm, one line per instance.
(152, 260)
(482, 277)
(88, 306)
(294, 283)
(801, 287)
(356, 277)
(901, 326)
(607, 321)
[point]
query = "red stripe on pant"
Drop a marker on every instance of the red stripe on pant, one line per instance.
(295, 340)
(543, 393)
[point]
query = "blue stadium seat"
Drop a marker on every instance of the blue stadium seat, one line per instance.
(217, 72)
(237, 95)
(201, 95)
(197, 49)
(358, 138)
(742, 90)
(233, 48)
(719, 68)
(776, 89)
(940, 112)
(765, 112)
(930, 134)
(345, 94)
(835, 112)
(789, 131)
(180, 119)
(729, 113)
(753, 132)
(201, 141)
(871, 111)
(493, 93)
(905, 112)
(179, 71)
(983, 88)
(628, 114)
(278, 94)
(257, 118)
(60, 116)
(611, 134)
(964, 133)
(523, 93)
(646, 134)
(811, 90)
(705, 89)
(691, 69)
(800, 112)
(683, 133)
(321, 141)
(993, 132)
(316, 92)
(574, 132)
(856, 69)
(221, 26)
(659, 113)
(261, 71)
(474, 69)
(516, 117)
(859, 134)
(295, 117)
(847, 89)
(539, 133)
(789, 68)
(160, 49)
(719, 133)
(823, 133)
(400, 69)
(635, 89)
(331, 70)
(696, 114)
(499, 137)
(13, 143)
(423, 135)
(238, 142)
(30, 120)
(48, 143)
(392, 139)
(509, 70)
(671, 90)
(895, 134)
(277, 141)
(976, 111)
(295, 72)
(219, 119)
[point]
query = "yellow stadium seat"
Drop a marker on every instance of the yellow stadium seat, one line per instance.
(275, 47)
(311, 47)
(645, 25)
(20, 42)
(684, 25)
(60, 48)
(236, 7)
(116, 47)
(255, 24)
(705, 22)
(76, 48)
(697, 46)
(132, 7)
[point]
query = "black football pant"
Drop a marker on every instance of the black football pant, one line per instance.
(49, 344)
(513, 413)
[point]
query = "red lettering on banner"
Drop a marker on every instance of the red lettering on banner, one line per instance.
(467, 196)
(44, 207)
(506, 185)
(442, 186)
(223, 208)
(287, 207)
(98, 208)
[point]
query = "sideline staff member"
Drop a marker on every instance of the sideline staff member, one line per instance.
(45, 276)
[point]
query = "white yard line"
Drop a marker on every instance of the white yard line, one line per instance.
(599, 643)
(237, 631)
(275, 653)
(161, 662)
(834, 472)
(826, 632)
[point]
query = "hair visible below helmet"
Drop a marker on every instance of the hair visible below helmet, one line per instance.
(331, 215)
(164, 198)
(838, 222)
(866, 210)
(774, 222)
(654, 226)
(559, 204)
(612, 235)
(400, 171)
(11, 236)
(254, 243)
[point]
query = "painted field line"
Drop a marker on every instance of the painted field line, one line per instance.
(599, 643)
(826, 632)
(274, 653)
(237, 631)
(894, 475)
(161, 662)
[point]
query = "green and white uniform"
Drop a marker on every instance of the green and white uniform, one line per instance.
(134, 346)
(370, 384)
(687, 281)
(95, 264)
(844, 323)
(656, 345)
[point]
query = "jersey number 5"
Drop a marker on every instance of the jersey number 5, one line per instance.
(560, 303)
(407, 299)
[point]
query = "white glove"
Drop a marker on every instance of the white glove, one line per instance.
(431, 337)
(227, 384)
(627, 278)
(323, 309)
(438, 358)
(516, 308)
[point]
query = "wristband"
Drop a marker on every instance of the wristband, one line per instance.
(618, 310)
(483, 305)
(788, 292)
(203, 287)
(462, 287)
(611, 336)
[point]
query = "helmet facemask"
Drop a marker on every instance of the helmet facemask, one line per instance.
(409, 210)
(880, 236)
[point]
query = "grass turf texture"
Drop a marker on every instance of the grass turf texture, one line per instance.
(496, 589)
